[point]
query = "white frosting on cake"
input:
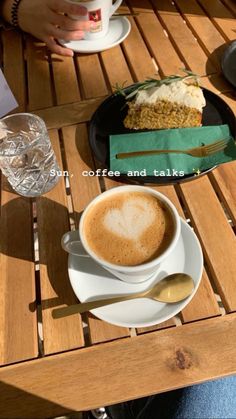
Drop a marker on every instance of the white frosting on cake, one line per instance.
(178, 92)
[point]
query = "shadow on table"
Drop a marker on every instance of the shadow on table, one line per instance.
(17, 240)
(16, 403)
(228, 89)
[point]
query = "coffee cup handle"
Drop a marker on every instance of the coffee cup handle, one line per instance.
(115, 6)
(71, 244)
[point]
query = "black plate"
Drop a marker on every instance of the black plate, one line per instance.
(108, 119)
(228, 63)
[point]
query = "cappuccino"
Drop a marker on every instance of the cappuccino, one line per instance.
(129, 228)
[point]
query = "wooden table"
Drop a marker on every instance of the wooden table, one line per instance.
(51, 367)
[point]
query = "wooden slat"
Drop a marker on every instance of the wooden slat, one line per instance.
(216, 235)
(204, 303)
(162, 50)
(52, 218)
(78, 157)
(101, 331)
(221, 16)
(116, 67)
(18, 320)
(183, 39)
(231, 5)
(164, 325)
(110, 373)
(224, 181)
(137, 55)
(112, 183)
(92, 80)
(69, 114)
(209, 37)
(170, 192)
(39, 84)
(78, 153)
(65, 80)
(14, 70)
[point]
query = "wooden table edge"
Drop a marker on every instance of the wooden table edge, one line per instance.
(126, 369)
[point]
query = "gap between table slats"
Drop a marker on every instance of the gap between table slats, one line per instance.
(223, 179)
(231, 5)
(183, 38)
(53, 221)
(208, 36)
(18, 322)
(65, 79)
(52, 218)
(221, 17)
(40, 88)
(204, 303)
(160, 46)
(138, 57)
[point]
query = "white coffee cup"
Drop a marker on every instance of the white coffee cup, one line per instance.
(99, 13)
(135, 274)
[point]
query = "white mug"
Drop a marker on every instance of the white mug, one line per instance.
(99, 12)
(75, 242)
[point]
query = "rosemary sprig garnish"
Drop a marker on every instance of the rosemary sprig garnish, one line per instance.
(152, 82)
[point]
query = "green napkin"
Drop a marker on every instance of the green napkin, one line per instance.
(171, 164)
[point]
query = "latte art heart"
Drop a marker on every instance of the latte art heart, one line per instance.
(131, 220)
(128, 228)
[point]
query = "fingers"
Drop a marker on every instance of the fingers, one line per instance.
(66, 7)
(58, 49)
(69, 24)
(63, 27)
(59, 33)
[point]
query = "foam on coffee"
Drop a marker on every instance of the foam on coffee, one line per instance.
(129, 228)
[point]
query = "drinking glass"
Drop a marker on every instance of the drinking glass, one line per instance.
(26, 155)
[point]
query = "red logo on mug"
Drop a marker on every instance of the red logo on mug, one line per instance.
(96, 17)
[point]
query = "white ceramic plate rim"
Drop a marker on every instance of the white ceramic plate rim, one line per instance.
(103, 42)
(180, 306)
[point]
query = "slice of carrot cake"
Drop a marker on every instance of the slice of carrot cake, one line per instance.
(177, 104)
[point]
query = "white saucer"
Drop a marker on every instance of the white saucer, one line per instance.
(119, 29)
(91, 282)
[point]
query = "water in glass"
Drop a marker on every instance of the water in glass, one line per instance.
(26, 155)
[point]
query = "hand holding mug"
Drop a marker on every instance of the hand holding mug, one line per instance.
(48, 20)
(98, 15)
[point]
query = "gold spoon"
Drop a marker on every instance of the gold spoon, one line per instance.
(171, 289)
